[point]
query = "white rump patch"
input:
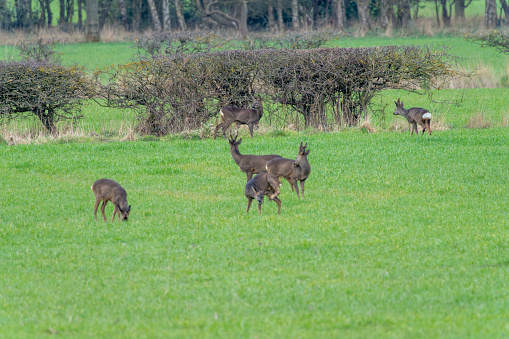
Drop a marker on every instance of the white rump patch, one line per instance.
(221, 111)
(266, 168)
(426, 115)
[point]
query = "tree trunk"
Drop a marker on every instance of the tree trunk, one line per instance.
(459, 10)
(123, 14)
(416, 13)
(70, 14)
(295, 14)
(42, 20)
(280, 23)
(92, 28)
(503, 3)
(404, 15)
(136, 15)
(243, 17)
(104, 13)
(339, 7)
(363, 11)
(491, 14)
(61, 19)
(80, 15)
(270, 16)
(50, 13)
(180, 16)
(446, 17)
(316, 11)
(166, 16)
(384, 19)
(154, 15)
(47, 119)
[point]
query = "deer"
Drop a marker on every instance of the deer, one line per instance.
(242, 116)
(108, 190)
(292, 170)
(11, 142)
(248, 163)
(263, 184)
(414, 115)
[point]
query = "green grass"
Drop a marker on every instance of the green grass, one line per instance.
(396, 237)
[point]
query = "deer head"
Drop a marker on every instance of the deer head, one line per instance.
(124, 213)
(302, 153)
(399, 108)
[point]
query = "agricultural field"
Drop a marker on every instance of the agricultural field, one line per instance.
(397, 236)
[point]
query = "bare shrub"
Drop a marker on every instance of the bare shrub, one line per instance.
(48, 91)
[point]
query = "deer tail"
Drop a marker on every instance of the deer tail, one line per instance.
(426, 116)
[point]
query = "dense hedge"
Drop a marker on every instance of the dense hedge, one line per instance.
(49, 91)
(327, 86)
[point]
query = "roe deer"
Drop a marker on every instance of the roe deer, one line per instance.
(292, 170)
(263, 184)
(109, 190)
(414, 116)
(248, 163)
(243, 116)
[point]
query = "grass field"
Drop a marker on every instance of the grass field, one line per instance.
(396, 237)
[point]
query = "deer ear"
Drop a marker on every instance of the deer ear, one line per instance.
(129, 209)
(238, 142)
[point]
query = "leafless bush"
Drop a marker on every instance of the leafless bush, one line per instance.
(49, 91)
(39, 50)
(327, 86)
(492, 38)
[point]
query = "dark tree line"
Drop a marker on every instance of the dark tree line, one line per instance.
(266, 15)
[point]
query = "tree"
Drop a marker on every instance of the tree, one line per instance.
(92, 26)
(491, 14)
(154, 15)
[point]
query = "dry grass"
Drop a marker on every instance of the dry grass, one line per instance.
(401, 125)
(479, 120)
(366, 127)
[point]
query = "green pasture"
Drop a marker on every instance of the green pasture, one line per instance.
(396, 237)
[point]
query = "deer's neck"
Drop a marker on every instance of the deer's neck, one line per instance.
(237, 157)
(305, 166)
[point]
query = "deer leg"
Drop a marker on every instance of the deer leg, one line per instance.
(278, 202)
(296, 187)
(226, 125)
(251, 128)
(249, 175)
(302, 187)
(115, 210)
(291, 183)
(249, 201)
(217, 127)
(259, 208)
(429, 127)
(103, 206)
(97, 202)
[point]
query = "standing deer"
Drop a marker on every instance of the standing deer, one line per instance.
(292, 170)
(248, 163)
(414, 116)
(263, 184)
(109, 190)
(243, 116)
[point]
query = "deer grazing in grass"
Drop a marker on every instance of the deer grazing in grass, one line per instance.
(242, 116)
(108, 190)
(248, 163)
(414, 116)
(292, 170)
(263, 184)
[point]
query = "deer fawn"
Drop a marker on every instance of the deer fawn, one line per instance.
(263, 184)
(414, 116)
(248, 163)
(109, 190)
(292, 170)
(243, 116)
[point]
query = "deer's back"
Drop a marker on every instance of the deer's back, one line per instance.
(281, 167)
(256, 163)
(108, 189)
(416, 113)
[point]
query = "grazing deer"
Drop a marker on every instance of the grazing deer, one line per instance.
(109, 190)
(292, 170)
(248, 163)
(263, 184)
(243, 116)
(414, 116)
